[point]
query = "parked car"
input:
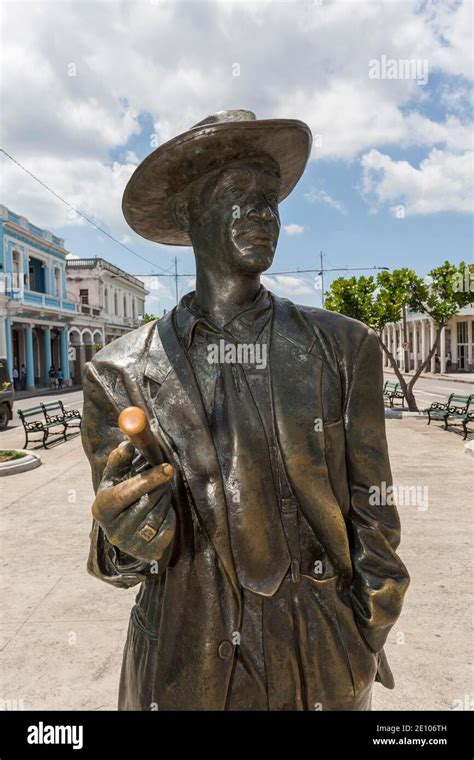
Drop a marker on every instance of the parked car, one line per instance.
(6, 395)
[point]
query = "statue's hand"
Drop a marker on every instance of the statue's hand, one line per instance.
(135, 511)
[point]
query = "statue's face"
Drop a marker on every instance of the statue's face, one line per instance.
(237, 217)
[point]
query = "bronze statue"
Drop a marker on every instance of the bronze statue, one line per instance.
(269, 579)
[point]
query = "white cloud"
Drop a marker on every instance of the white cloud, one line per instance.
(293, 229)
(287, 285)
(131, 59)
(321, 196)
(442, 182)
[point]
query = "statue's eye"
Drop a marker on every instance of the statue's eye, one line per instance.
(272, 198)
(235, 191)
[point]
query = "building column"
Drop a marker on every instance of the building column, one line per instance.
(64, 355)
(30, 370)
(454, 342)
(432, 338)
(442, 350)
(82, 360)
(416, 363)
(9, 345)
(470, 338)
(47, 352)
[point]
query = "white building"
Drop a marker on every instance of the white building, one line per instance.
(456, 351)
(104, 292)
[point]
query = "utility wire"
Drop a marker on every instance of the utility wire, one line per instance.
(79, 213)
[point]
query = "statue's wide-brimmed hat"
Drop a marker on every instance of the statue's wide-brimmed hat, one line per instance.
(215, 141)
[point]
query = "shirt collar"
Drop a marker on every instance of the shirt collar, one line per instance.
(245, 326)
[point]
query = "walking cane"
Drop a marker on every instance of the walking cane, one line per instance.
(134, 423)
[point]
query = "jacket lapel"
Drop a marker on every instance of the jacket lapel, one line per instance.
(298, 360)
(180, 415)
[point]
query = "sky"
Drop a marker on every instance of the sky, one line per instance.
(90, 88)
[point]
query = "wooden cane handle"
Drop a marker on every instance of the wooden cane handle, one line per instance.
(134, 423)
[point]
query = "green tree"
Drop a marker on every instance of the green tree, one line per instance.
(148, 318)
(379, 302)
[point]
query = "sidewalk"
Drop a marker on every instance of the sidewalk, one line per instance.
(455, 377)
(46, 391)
(63, 631)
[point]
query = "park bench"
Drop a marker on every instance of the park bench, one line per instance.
(47, 424)
(392, 391)
(54, 411)
(456, 408)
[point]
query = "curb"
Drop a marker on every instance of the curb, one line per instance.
(19, 395)
(398, 414)
(429, 376)
(28, 462)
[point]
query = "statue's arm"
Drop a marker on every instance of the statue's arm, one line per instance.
(100, 435)
(380, 577)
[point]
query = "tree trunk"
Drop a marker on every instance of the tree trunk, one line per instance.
(407, 388)
(407, 392)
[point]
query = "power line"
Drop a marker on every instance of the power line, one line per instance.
(176, 275)
(79, 213)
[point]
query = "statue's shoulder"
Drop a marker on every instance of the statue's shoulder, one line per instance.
(334, 324)
(344, 333)
(126, 350)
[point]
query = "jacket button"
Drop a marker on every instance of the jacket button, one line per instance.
(225, 650)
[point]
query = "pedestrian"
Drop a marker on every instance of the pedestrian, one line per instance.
(449, 361)
(437, 363)
(15, 378)
(60, 378)
(52, 376)
(23, 377)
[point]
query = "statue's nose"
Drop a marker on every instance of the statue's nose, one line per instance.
(261, 210)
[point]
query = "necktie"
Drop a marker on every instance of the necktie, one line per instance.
(257, 537)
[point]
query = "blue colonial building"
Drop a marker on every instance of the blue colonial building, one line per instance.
(35, 312)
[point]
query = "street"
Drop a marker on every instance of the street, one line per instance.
(428, 390)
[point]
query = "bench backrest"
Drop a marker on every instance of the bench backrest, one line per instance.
(53, 406)
(31, 412)
(392, 386)
(456, 399)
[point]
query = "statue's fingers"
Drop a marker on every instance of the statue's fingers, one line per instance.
(152, 510)
(119, 462)
(111, 501)
(156, 531)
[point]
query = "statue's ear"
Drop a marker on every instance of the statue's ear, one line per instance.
(179, 207)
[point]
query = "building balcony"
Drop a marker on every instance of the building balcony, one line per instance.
(87, 309)
(44, 301)
(122, 321)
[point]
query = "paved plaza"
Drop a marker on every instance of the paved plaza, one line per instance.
(62, 631)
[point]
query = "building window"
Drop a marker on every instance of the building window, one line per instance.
(115, 303)
(15, 262)
(84, 295)
(57, 280)
(36, 274)
(16, 271)
(106, 300)
(133, 308)
(125, 306)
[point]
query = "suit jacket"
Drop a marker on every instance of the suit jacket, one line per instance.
(323, 366)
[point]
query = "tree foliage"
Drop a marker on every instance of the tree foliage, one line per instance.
(380, 301)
